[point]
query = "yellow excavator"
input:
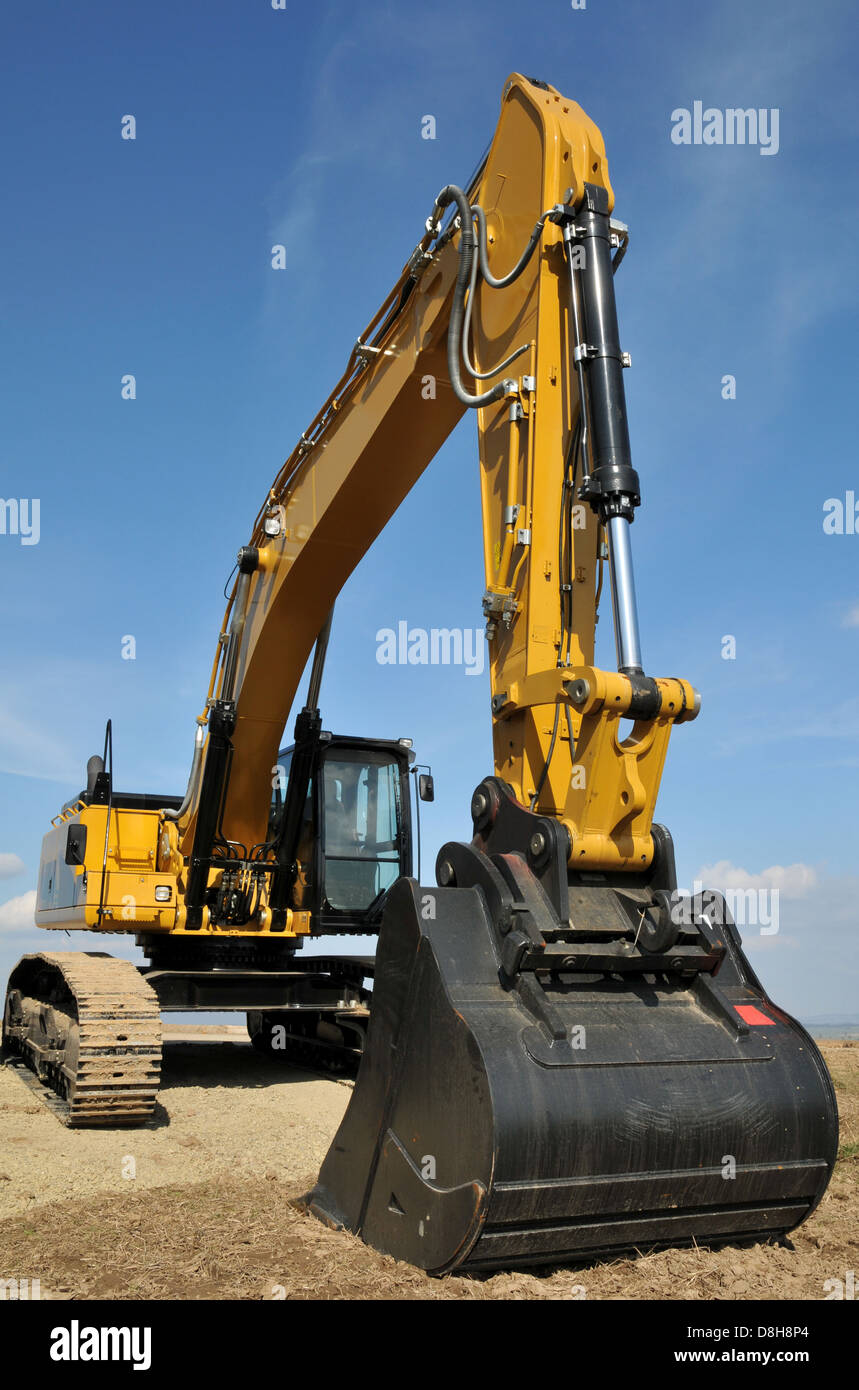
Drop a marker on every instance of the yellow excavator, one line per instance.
(560, 1056)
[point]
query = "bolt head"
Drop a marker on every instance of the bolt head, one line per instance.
(479, 804)
(446, 875)
(537, 844)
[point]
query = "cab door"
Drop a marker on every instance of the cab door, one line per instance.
(364, 844)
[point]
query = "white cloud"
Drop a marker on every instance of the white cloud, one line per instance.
(823, 925)
(17, 914)
(817, 918)
(791, 881)
(10, 865)
(851, 617)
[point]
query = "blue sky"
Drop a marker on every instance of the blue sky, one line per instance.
(303, 127)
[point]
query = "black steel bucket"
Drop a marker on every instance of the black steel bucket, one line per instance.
(670, 1110)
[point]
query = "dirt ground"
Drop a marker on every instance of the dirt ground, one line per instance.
(198, 1205)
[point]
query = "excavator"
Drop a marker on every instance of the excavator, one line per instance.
(559, 1056)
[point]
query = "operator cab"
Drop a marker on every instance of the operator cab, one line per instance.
(356, 837)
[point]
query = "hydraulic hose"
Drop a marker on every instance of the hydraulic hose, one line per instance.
(523, 259)
(466, 334)
(467, 250)
(547, 764)
(192, 778)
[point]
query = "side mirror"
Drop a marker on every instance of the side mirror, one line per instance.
(426, 787)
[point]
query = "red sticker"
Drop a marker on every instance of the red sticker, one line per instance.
(749, 1014)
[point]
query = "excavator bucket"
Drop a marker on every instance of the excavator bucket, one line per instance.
(532, 1095)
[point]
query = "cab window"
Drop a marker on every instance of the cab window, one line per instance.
(362, 819)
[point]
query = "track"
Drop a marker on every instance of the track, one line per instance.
(89, 1027)
(331, 1044)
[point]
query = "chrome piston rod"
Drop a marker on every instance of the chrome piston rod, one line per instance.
(626, 637)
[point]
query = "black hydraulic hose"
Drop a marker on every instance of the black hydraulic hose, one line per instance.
(467, 250)
(563, 585)
(565, 557)
(466, 334)
(544, 774)
(565, 573)
(237, 627)
(619, 255)
(107, 762)
(570, 734)
(580, 374)
(523, 259)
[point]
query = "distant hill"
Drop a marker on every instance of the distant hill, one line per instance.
(833, 1025)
